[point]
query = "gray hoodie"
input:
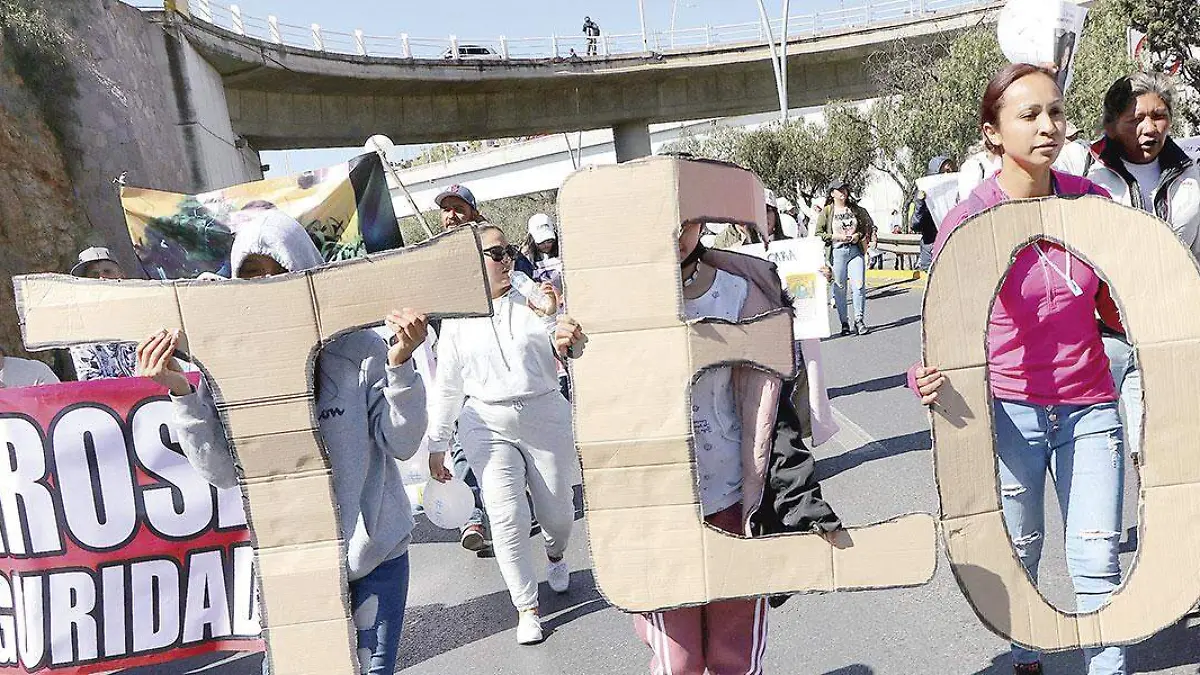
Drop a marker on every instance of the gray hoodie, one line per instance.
(369, 415)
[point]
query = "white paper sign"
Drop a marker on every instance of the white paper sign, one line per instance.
(799, 262)
(941, 194)
(1041, 31)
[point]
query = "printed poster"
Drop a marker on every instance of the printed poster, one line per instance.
(116, 554)
(1042, 32)
(799, 263)
(346, 209)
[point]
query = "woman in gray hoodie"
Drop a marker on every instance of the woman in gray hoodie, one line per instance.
(370, 406)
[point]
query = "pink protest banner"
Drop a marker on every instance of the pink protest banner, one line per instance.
(114, 552)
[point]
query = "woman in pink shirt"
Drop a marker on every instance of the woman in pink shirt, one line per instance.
(1053, 396)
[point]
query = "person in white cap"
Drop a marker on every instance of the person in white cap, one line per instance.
(102, 360)
(542, 244)
(788, 222)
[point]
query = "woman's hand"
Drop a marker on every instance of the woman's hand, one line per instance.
(929, 380)
(410, 330)
(437, 467)
(569, 338)
(156, 360)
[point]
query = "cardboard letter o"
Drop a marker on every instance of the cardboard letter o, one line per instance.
(1155, 280)
(650, 546)
(257, 342)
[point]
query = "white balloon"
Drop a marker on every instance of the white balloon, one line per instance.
(448, 505)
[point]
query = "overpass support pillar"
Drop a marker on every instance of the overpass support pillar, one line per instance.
(631, 140)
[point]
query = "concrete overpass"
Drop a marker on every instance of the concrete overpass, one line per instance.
(281, 96)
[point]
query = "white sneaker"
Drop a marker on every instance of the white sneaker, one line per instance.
(558, 574)
(529, 628)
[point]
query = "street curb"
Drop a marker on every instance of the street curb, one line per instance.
(894, 275)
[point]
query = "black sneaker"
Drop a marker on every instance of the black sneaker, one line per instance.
(860, 328)
(845, 329)
(1034, 668)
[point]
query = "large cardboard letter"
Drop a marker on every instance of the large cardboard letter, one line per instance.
(1155, 279)
(633, 423)
(257, 342)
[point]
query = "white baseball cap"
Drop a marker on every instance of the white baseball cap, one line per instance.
(91, 255)
(784, 204)
(541, 228)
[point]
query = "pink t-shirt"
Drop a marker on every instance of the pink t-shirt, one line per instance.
(1044, 344)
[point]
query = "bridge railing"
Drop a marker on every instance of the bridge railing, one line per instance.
(313, 36)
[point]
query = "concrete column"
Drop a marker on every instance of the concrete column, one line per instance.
(631, 140)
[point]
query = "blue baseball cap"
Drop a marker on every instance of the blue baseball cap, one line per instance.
(459, 191)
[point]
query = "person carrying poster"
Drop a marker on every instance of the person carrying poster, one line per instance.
(370, 407)
(103, 359)
(497, 384)
(1052, 395)
(730, 636)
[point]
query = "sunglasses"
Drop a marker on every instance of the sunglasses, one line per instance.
(499, 253)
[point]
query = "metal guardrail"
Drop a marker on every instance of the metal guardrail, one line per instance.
(358, 42)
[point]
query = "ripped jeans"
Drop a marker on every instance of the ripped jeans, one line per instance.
(1082, 448)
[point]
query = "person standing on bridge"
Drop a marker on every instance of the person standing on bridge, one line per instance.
(1053, 398)
(847, 226)
(773, 491)
(592, 30)
(497, 393)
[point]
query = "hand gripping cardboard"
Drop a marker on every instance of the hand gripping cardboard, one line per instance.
(650, 546)
(257, 342)
(1155, 280)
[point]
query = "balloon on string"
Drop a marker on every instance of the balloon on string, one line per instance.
(448, 505)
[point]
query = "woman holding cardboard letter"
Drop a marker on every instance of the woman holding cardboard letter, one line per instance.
(775, 493)
(371, 410)
(497, 378)
(1053, 397)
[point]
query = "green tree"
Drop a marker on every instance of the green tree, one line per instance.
(1101, 59)
(1172, 29)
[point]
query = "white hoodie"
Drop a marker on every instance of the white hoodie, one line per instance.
(369, 414)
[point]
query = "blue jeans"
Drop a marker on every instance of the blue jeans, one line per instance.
(1127, 376)
(462, 471)
(849, 265)
(925, 257)
(1081, 447)
(377, 604)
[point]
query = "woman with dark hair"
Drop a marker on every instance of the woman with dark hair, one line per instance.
(1053, 399)
(1138, 162)
(847, 227)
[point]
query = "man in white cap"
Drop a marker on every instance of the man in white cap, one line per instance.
(105, 359)
(788, 222)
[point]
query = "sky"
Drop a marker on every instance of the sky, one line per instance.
(487, 19)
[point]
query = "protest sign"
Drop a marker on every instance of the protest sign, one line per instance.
(346, 209)
(1165, 582)
(256, 341)
(650, 546)
(116, 552)
(1042, 32)
(941, 194)
(799, 263)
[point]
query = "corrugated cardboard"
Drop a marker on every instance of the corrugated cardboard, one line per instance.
(1157, 286)
(650, 547)
(257, 342)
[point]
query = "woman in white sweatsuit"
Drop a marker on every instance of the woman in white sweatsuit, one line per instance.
(497, 379)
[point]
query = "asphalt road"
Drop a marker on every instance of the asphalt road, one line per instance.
(460, 621)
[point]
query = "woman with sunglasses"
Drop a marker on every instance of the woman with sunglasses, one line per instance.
(497, 380)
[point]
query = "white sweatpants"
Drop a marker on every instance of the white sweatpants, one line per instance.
(512, 447)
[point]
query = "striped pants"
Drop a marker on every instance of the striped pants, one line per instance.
(728, 637)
